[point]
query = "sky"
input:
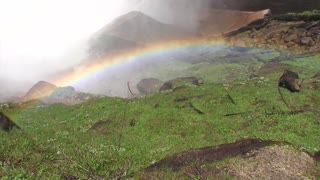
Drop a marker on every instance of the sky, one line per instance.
(36, 35)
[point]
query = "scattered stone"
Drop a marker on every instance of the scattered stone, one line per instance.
(275, 30)
(291, 37)
(306, 41)
(298, 36)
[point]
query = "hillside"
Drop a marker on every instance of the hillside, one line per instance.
(110, 138)
(202, 111)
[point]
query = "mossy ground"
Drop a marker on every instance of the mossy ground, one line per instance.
(58, 141)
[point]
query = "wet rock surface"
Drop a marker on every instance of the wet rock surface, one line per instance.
(149, 85)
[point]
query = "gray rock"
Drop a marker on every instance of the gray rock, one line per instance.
(315, 47)
(149, 85)
(291, 37)
(306, 40)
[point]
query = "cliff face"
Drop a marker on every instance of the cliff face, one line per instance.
(216, 22)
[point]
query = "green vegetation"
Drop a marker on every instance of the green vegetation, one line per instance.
(57, 141)
(306, 15)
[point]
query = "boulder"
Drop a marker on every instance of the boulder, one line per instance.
(291, 37)
(306, 41)
(6, 123)
(289, 80)
(149, 85)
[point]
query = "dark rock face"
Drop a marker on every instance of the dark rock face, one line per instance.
(175, 82)
(297, 36)
(6, 123)
(149, 85)
(289, 80)
(317, 156)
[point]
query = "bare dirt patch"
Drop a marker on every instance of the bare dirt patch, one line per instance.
(244, 159)
(273, 162)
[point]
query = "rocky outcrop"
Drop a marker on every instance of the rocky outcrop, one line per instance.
(296, 35)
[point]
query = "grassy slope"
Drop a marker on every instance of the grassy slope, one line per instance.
(57, 141)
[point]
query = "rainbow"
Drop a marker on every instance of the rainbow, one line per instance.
(131, 55)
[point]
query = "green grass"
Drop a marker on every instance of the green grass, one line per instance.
(312, 63)
(305, 15)
(56, 140)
